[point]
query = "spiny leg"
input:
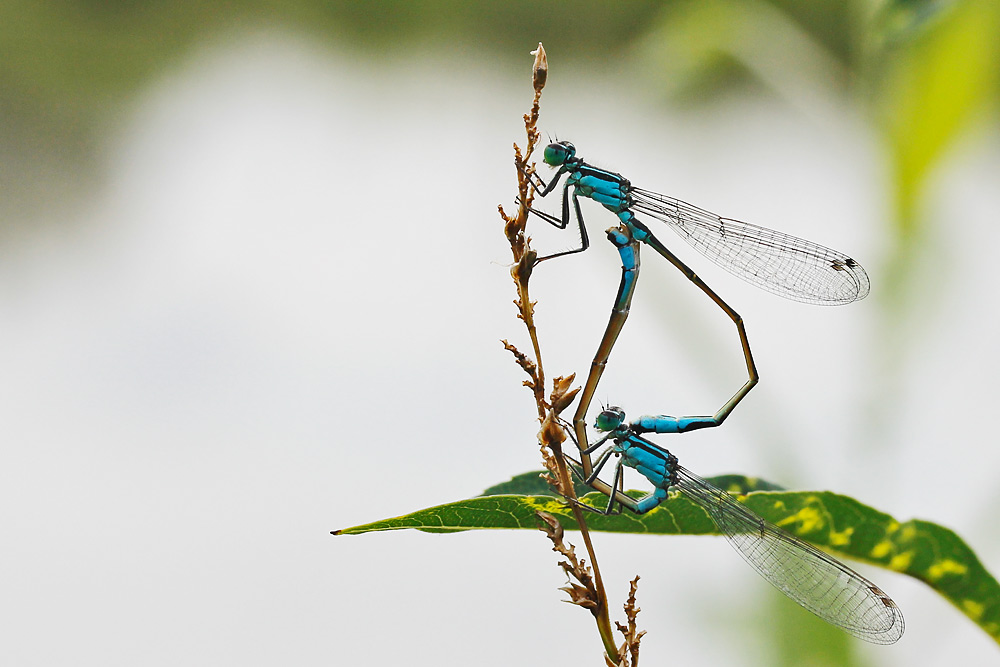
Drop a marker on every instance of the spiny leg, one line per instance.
(563, 221)
(618, 484)
(598, 484)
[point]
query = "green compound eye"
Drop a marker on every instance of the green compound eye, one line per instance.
(557, 153)
(609, 419)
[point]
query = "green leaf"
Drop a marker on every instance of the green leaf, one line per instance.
(839, 524)
(530, 484)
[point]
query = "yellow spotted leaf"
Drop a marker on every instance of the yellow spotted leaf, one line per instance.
(838, 524)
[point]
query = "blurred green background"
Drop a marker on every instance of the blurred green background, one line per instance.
(92, 94)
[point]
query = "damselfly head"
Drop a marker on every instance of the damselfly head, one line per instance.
(558, 152)
(610, 418)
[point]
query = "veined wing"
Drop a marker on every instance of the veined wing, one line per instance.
(815, 580)
(779, 263)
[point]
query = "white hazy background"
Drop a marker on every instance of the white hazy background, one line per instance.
(280, 315)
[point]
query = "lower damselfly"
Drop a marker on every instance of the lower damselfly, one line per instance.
(810, 577)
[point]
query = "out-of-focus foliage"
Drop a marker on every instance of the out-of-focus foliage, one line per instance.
(923, 69)
(69, 68)
(71, 58)
(935, 77)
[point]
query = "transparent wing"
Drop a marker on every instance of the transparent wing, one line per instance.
(779, 263)
(815, 580)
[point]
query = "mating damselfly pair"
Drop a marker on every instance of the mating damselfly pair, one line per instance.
(780, 263)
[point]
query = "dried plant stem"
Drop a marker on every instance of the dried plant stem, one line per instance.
(589, 592)
(631, 633)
